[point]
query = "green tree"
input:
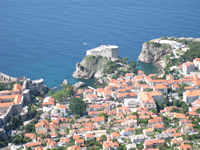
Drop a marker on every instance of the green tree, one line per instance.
(28, 148)
(198, 110)
(58, 96)
(104, 138)
(32, 112)
(77, 106)
(51, 92)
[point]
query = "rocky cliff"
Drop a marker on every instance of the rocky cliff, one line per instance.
(152, 52)
(91, 66)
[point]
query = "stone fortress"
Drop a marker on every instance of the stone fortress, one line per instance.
(29, 88)
(110, 51)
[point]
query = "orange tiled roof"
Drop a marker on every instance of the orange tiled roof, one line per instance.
(7, 104)
(17, 87)
(52, 143)
(154, 141)
(30, 135)
(39, 148)
(34, 144)
(76, 137)
(160, 86)
(98, 119)
(88, 135)
(185, 147)
(180, 116)
(64, 140)
(188, 63)
(157, 126)
(115, 134)
(80, 141)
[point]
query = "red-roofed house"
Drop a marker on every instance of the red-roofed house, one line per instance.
(185, 147)
(153, 143)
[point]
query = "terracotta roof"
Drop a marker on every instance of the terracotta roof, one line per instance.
(64, 140)
(7, 104)
(142, 109)
(74, 147)
(148, 130)
(52, 143)
(129, 129)
(98, 119)
(17, 87)
(154, 141)
(110, 144)
(86, 129)
(39, 148)
(76, 137)
(34, 144)
(185, 147)
(160, 86)
(158, 126)
(180, 116)
(43, 123)
(95, 106)
(88, 135)
(88, 90)
(60, 106)
(115, 134)
(48, 103)
(80, 141)
(188, 63)
(144, 117)
(131, 117)
(30, 135)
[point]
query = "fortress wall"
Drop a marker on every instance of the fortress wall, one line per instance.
(105, 51)
(3, 135)
(115, 53)
(13, 110)
(24, 115)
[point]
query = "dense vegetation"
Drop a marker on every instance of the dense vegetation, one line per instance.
(65, 93)
(117, 67)
(77, 106)
(8, 86)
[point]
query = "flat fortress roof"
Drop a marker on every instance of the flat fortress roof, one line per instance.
(103, 47)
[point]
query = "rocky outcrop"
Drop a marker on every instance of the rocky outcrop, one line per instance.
(91, 66)
(151, 53)
(65, 82)
(79, 84)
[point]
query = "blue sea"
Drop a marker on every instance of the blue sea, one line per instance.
(44, 38)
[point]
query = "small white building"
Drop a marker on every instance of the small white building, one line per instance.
(59, 109)
(131, 103)
(188, 67)
(191, 96)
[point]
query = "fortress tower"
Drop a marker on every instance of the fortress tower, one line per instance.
(110, 51)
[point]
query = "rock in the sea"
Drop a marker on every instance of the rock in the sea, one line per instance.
(91, 66)
(151, 53)
(65, 82)
(79, 84)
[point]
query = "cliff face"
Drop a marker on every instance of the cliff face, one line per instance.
(151, 53)
(90, 66)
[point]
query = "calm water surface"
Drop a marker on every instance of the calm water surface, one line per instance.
(44, 38)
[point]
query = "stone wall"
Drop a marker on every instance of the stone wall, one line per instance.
(3, 134)
(4, 77)
(35, 87)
